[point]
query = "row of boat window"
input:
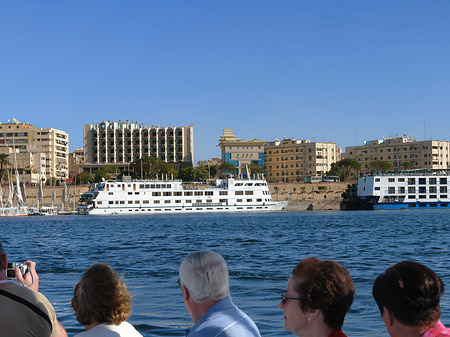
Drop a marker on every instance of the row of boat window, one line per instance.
(199, 201)
(420, 181)
(190, 209)
(191, 193)
(442, 205)
(250, 184)
(411, 190)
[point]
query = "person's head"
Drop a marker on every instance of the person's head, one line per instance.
(101, 297)
(205, 276)
(410, 292)
(321, 292)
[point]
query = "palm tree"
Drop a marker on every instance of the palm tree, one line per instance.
(4, 163)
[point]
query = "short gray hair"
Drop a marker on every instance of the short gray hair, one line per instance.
(205, 275)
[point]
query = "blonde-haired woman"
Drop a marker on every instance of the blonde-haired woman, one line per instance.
(102, 303)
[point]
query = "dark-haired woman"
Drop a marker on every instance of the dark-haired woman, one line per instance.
(318, 295)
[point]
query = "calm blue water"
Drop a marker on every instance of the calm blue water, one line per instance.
(260, 249)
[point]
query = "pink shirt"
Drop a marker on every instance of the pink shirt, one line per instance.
(437, 330)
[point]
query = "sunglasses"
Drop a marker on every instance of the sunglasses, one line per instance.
(284, 298)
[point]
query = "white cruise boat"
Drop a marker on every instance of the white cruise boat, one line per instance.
(172, 196)
(405, 190)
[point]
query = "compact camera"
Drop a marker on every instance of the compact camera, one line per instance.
(11, 270)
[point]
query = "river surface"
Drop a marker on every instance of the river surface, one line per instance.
(261, 250)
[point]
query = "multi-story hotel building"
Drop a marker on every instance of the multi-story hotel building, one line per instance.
(241, 152)
(119, 143)
(296, 160)
(425, 154)
(39, 152)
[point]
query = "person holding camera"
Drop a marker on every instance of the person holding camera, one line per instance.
(24, 311)
(102, 303)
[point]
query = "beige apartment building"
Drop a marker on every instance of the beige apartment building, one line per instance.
(119, 143)
(76, 159)
(38, 152)
(425, 154)
(241, 152)
(297, 160)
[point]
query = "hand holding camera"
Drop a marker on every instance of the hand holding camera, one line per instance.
(11, 270)
(25, 273)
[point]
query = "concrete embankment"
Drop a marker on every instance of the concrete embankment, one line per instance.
(309, 196)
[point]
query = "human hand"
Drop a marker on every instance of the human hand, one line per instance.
(31, 278)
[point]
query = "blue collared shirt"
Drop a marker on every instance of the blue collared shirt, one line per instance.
(224, 319)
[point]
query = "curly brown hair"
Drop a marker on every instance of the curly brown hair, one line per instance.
(101, 297)
(324, 285)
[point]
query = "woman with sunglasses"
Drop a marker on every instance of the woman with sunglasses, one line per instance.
(318, 295)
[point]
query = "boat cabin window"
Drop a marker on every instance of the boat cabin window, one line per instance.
(187, 193)
(223, 192)
(401, 180)
(377, 180)
(443, 189)
(156, 194)
(177, 194)
(411, 190)
(208, 192)
(198, 193)
(443, 181)
(248, 192)
(432, 181)
(167, 194)
(411, 181)
(422, 181)
(239, 193)
(391, 180)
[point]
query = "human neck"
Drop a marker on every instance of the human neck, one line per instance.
(88, 327)
(199, 309)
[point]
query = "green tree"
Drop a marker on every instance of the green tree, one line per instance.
(151, 167)
(201, 173)
(380, 166)
(345, 169)
(255, 169)
(408, 166)
(4, 163)
(228, 167)
(85, 178)
(187, 174)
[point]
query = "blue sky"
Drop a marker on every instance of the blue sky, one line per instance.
(345, 71)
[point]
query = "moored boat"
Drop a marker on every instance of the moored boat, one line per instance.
(172, 196)
(405, 190)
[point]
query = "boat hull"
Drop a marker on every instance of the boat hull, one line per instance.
(273, 207)
(411, 205)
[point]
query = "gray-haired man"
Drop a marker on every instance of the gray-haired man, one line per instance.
(206, 294)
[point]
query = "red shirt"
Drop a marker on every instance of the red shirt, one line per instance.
(437, 330)
(337, 333)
